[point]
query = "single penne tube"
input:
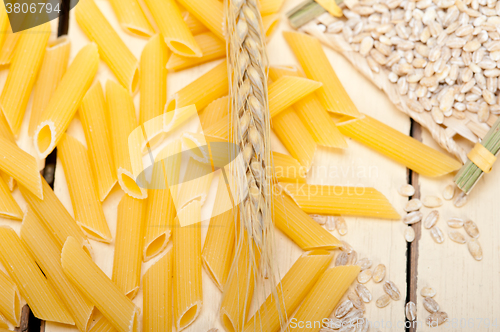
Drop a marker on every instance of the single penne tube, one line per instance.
(34, 287)
(238, 292)
(219, 129)
(217, 254)
(82, 189)
(121, 312)
(6, 133)
(202, 91)
(55, 217)
(4, 327)
(323, 298)
(4, 24)
(299, 227)
(188, 294)
(287, 168)
(55, 62)
(270, 6)
(8, 206)
(65, 100)
(157, 300)
(216, 110)
(295, 137)
(112, 49)
(209, 12)
(287, 90)
(21, 166)
(173, 28)
(400, 147)
(290, 291)
(23, 71)
(270, 23)
(312, 113)
(335, 200)
(316, 65)
(132, 18)
(128, 245)
(153, 83)
(122, 122)
(10, 300)
(102, 325)
(93, 115)
(47, 254)
(8, 47)
(194, 24)
(195, 184)
(211, 46)
(160, 210)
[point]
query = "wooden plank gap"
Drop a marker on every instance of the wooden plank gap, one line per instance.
(412, 247)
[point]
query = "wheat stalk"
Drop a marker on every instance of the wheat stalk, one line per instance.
(250, 133)
(250, 120)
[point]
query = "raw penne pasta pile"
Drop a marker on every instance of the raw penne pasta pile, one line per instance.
(143, 214)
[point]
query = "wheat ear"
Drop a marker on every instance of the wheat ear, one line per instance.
(249, 133)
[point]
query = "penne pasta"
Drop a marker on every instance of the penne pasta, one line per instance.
(47, 254)
(8, 47)
(188, 294)
(209, 12)
(287, 168)
(4, 327)
(270, 6)
(132, 18)
(55, 217)
(202, 91)
(299, 227)
(312, 113)
(287, 90)
(6, 133)
(65, 100)
(160, 210)
(157, 300)
(102, 325)
(219, 129)
(295, 137)
(55, 62)
(194, 25)
(82, 189)
(196, 182)
(216, 110)
(93, 115)
(35, 289)
(400, 147)
(121, 312)
(291, 290)
(21, 166)
(112, 49)
(8, 206)
(10, 300)
(323, 298)
(4, 23)
(238, 292)
(23, 71)
(270, 23)
(217, 254)
(153, 79)
(211, 47)
(173, 28)
(317, 67)
(335, 200)
(122, 122)
(128, 245)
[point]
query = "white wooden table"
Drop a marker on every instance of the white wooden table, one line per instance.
(467, 290)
